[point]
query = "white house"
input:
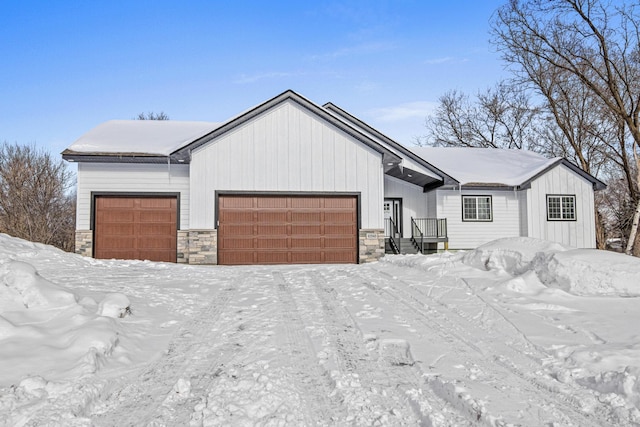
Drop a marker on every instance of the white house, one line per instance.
(290, 181)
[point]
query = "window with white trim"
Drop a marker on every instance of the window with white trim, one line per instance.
(476, 208)
(561, 208)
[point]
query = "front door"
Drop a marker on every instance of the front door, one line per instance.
(393, 210)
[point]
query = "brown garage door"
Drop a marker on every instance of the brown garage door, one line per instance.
(136, 228)
(287, 230)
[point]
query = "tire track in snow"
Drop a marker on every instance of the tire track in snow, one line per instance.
(384, 393)
(323, 408)
(553, 405)
(153, 399)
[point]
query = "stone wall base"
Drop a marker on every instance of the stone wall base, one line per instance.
(182, 255)
(371, 245)
(84, 242)
(202, 247)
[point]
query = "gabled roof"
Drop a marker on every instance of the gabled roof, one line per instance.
(388, 156)
(136, 138)
(494, 167)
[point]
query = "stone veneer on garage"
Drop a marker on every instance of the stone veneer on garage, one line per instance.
(202, 247)
(84, 242)
(371, 245)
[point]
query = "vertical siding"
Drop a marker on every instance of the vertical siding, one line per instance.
(414, 201)
(471, 234)
(561, 180)
(432, 204)
(130, 178)
(524, 213)
(286, 149)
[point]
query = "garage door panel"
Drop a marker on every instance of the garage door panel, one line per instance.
(136, 228)
(333, 229)
(271, 257)
(237, 229)
(156, 229)
(123, 229)
(271, 216)
(157, 203)
(306, 230)
(287, 229)
(115, 216)
(236, 243)
(272, 242)
(271, 202)
(235, 216)
(155, 216)
(236, 258)
(306, 217)
(115, 203)
(150, 242)
(236, 202)
(306, 243)
(338, 242)
(307, 257)
(340, 257)
(339, 202)
(339, 217)
(272, 230)
(306, 202)
(120, 242)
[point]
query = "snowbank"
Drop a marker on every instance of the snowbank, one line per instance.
(576, 271)
(46, 330)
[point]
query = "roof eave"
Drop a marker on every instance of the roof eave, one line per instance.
(78, 157)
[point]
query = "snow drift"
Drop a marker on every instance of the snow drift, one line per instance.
(45, 329)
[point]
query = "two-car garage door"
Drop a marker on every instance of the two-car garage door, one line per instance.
(252, 229)
(279, 229)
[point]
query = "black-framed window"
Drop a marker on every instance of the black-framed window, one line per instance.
(477, 208)
(561, 207)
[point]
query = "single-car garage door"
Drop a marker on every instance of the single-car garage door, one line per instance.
(136, 228)
(287, 229)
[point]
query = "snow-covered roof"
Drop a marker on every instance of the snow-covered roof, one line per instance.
(150, 137)
(486, 166)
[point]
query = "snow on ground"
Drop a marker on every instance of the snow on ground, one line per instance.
(517, 332)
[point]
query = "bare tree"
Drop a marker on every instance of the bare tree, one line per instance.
(35, 203)
(500, 117)
(152, 116)
(592, 43)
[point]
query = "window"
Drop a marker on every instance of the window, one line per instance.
(561, 208)
(476, 208)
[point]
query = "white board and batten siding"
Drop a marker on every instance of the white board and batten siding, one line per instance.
(414, 201)
(562, 181)
(130, 178)
(471, 234)
(286, 149)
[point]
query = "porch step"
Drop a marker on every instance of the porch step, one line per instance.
(406, 247)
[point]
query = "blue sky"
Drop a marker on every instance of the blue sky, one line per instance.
(68, 66)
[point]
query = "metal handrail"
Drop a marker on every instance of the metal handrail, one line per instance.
(431, 227)
(415, 230)
(391, 231)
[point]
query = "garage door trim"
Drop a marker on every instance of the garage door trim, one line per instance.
(357, 195)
